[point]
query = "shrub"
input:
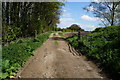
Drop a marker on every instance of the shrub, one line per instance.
(102, 45)
(10, 33)
(15, 55)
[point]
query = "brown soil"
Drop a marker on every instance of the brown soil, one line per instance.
(56, 59)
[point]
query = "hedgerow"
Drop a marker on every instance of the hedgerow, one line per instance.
(17, 53)
(102, 46)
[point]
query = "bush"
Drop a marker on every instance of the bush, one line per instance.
(10, 33)
(102, 45)
(97, 29)
(15, 55)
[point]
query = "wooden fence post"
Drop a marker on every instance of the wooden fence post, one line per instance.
(78, 35)
(79, 39)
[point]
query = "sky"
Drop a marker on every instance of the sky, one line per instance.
(73, 13)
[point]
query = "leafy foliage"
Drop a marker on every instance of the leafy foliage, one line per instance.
(16, 54)
(102, 45)
(60, 33)
(108, 12)
(10, 33)
(31, 18)
(74, 27)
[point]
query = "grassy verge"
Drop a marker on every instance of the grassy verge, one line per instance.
(54, 34)
(60, 33)
(16, 54)
(102, 46)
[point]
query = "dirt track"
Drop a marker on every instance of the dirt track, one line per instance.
(55, 60)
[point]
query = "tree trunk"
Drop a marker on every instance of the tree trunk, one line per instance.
(7, 13)
(113, 14)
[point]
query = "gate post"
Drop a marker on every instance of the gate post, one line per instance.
(79, 35)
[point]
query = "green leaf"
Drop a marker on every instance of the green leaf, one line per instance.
(5, 64)
(4, 75)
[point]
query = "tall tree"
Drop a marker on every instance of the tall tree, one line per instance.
(106, 11)
(75, 27)
(29, 18)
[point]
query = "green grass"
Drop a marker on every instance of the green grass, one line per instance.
(60, 33)
(16, 54)
(102, 46)
(54, 34)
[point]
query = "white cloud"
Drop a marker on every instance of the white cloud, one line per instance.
(66, 19)
(97, 1)
(65, 22)
(86, 17)
(86, 26)
(66, 14)
(64, 10)
(90, 8)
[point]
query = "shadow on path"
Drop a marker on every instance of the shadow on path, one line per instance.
(58, 38)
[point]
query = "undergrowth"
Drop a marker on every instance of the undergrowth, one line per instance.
(18, 52)
(101, 46)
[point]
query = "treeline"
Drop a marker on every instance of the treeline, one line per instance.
(25, 19)
(72, 28)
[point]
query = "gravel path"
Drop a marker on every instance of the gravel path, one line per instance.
(55, 60)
